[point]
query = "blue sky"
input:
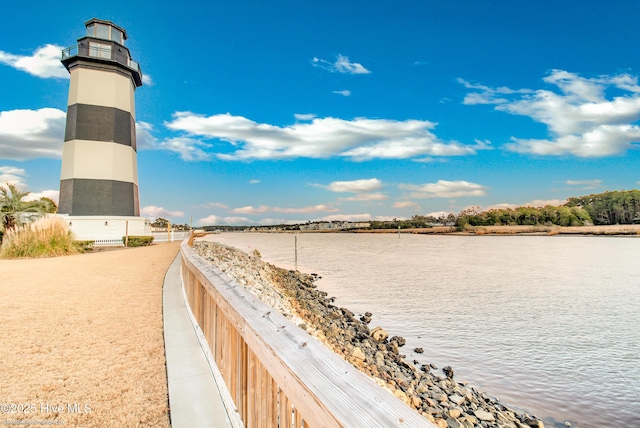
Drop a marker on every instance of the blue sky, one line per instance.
(279, 112)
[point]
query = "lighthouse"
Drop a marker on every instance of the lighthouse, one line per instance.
(99, 174)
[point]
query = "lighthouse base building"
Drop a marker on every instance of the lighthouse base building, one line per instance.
(99, 178)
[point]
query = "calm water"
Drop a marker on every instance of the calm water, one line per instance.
(546, 324)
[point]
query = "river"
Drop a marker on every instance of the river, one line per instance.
(548, 324)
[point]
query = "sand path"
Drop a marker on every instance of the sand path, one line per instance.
(81, 339)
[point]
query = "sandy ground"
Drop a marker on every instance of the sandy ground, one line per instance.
(81, 339)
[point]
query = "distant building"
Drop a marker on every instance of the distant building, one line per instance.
(334, 225)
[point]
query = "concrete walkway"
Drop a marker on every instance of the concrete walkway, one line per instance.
(194, 397)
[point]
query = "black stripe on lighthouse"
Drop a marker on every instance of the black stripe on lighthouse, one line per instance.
(84, 196)
(98, 123)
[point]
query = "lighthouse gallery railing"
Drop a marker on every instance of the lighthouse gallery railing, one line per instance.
(106, 52)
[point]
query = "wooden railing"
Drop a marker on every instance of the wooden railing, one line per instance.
(276, 373)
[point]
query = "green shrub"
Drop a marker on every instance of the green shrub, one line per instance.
(138, 241)
(84, 246)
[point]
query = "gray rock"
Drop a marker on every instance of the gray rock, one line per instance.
(484, 415)
(379, 334)
(455, 398)
(453, 423)
(534, 423)
(448, 371)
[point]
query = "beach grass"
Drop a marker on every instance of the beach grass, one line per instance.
(46, 237)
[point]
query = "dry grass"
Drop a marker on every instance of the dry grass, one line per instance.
(46, 237)
(86, 329)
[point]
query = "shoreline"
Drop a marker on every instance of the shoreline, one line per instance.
(439, 398)
(627, 230)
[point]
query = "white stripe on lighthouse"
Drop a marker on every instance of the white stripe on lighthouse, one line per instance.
(99, 160)
(100, 88)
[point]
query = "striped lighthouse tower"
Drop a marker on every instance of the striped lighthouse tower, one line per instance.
(99, 177)
(99, 166)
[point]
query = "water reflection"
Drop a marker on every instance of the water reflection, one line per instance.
(548, 324)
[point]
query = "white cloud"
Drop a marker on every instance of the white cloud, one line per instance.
(345, 93)
(16, 177)
(54, 195)
(341, 65)
(264, 209)
(153, 211)
(304, 117)
(12, 175)
(254, 181)
(147, 80)
(347, 217)
(581, 120)
(214, 220)
(252, 210)
(216, 205)
(544, 202)
(501, 206)
(365, 189)
(585, 184)
(144, 136)
(406, 204)
(45, 62)
(366, 197)
(235, 221)
(536, 203)
(488, 95)
(444, 189)
(31, 134)
(209, 221)
(189, 149)
(358, 139)
(356, 186)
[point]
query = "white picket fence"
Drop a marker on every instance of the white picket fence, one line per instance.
(102, 240)
(170, 237)
(113, 241)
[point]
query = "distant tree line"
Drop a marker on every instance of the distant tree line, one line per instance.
(617, 207)
(415, 222)
(223, 228)
(525, 216)
(163, 223)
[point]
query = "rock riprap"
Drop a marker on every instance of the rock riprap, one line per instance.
(441, 399)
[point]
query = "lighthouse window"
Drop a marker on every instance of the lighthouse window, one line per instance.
(102, 31)
(116, 35)
(99, 50)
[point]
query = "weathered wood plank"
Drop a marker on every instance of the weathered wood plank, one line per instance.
(324, 389)
(273, 407)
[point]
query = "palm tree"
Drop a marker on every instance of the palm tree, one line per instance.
(14, 210)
